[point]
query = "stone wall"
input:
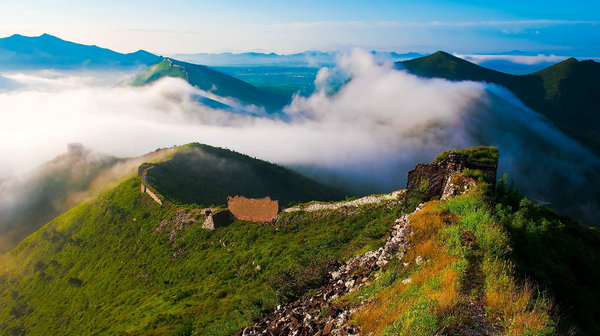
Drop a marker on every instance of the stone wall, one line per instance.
(217, 219)
(372, 199)
(253, 209)
(144, 189)
(434, 178)
(142, 168)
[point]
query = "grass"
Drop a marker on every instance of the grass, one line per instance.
(101, 268)
(158, 71)
(518, 307)
(200, 175)
(558, 254)
(466, 258)
(479, 154)
(489, 259)
(427, 302)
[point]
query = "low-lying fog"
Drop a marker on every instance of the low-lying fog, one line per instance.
(364, 134)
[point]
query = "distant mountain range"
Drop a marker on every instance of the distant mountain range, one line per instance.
(19, 52)
(567, 93)
(303, 59)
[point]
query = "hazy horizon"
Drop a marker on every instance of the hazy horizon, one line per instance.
(294, 26)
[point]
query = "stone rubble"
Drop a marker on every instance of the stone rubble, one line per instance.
(318, 314)
(177, 222)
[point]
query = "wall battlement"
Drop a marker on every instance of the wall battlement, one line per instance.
(253, 209)
(145, 189)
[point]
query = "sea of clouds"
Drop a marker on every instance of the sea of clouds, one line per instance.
(363, 128)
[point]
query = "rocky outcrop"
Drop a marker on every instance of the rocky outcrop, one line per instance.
(180, 219)
(318, 314)
(253, 209)
(435, 179)
(457, 185)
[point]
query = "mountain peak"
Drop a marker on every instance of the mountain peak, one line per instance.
(440, 53)
(48, 37)
(562, 68)
(444, 65)
(442, 57)
(42, 36)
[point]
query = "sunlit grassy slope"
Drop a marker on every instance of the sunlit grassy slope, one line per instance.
(31, 200)
(102, 268)
(491, 263)
(479, 154)
(35, 198)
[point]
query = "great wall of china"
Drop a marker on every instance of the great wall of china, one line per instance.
(372, 199)
(319, 314)
(434, 179)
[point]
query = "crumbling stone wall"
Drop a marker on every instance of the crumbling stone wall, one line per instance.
(144, 189)
(217, 219)
(435, 178)
(143, 186)
(142, 168)
(253, 209)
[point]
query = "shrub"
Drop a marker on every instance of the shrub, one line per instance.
(479, 154)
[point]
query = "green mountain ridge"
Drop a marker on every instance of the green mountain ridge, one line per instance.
(23, 53)
(212, 81)
(567, 93)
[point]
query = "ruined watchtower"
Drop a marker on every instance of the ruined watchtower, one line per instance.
(253, 209)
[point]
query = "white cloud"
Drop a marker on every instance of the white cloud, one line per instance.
(529, 23)
(367, 133)
(520, 59)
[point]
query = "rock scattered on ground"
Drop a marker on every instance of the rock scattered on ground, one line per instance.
(318, 314)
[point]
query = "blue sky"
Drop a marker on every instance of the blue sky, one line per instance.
(285, 26)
